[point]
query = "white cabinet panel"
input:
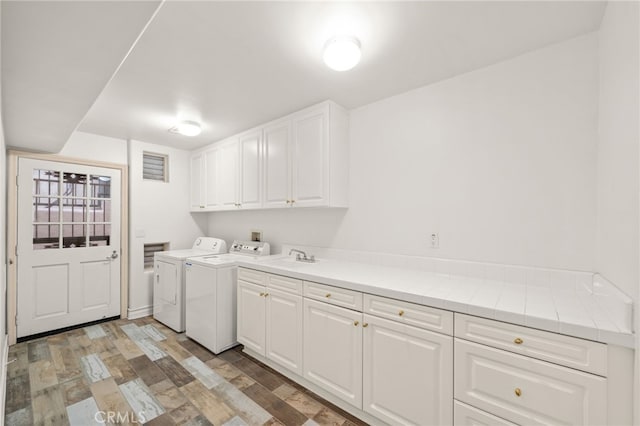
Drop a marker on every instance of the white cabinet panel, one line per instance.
(284, 329)
(251, 315)
(227, 175)
(210, 182)
(407, 373)
(197, 183)
(310, 158)
(564, 350)
(249, 185)
(335, 295)
(466, 415)
(333, 350)
(277, 164)
(525, 390)
(410, 313)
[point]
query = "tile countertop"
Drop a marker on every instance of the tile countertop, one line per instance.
(574, 310)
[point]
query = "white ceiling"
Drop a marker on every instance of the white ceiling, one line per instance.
(234, 65)
(57, 56)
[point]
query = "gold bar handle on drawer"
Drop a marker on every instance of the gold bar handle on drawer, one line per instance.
(401, 313)
(356, 323)
(518, 392)
(328, 295)
(518, 341)
(365, 325)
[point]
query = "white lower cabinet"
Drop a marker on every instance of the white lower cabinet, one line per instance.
(333, 350)
(284, 329)
(407, 373)
(251, 314)
(466, 415)
(525, 390)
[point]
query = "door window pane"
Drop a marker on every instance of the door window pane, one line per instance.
(75, 185)
(100, 186)
(46, 209)
(74, 236)
(99, 210)
(74, 210)
(46, 236)
(99, 234)
(46, 182)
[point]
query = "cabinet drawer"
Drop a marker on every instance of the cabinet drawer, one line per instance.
(251, 276)
(334, 295)
(564, 350)
(525, 390)
(466, 415)
(290, 285)
(410, 313)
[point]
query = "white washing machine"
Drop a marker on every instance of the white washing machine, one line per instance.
(168, 287)
(211, 295)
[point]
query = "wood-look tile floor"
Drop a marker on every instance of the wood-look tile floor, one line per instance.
(132, 372)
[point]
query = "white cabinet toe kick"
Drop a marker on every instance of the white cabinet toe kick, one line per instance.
(388, 361)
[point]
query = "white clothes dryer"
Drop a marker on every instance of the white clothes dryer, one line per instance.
(168, 287)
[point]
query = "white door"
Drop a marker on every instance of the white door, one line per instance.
(284, 329)
(251, 314)
(407, 373)
(227, 175)
(333, 350)
(196, 194)
(310, 153)
(277, 164)
(250, 193)
(68, 245)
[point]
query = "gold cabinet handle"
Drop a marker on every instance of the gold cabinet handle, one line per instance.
(518, 392)
(328, 295)
(401, 313)
(518, 341)
(293, 201)
(266, 294)
(202, 207)
(356, 323)
(365, 325)
(261, 294)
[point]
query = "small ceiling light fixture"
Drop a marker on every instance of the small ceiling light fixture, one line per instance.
(341, 53)
(186, 128)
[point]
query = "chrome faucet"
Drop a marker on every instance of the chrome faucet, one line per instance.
(302, 256)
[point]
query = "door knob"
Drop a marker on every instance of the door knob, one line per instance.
(114, 255)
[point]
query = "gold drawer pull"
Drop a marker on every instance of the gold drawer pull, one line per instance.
(401, 313)
(365, 325)
(266, 294)
(356, 323)
(518, 341)
(518, 392)
(328, 295)
(261, 294)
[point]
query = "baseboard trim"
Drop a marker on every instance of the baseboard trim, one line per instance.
(3, 376)
(136, 313)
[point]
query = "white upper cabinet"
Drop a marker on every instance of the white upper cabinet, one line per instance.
(300, 160)
(277, 164)
(196, 198)
(250, 183)
(210, 179)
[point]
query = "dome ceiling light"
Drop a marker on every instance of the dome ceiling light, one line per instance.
(341, 53)
(186, 128)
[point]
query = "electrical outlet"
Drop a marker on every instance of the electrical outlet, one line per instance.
(256, 236)
(435, 240)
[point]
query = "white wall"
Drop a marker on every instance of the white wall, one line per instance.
(3, 259)
(158, 212)
(95, 147)
(500, 161)
(618, 180)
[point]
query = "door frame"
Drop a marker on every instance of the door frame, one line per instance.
(12, 229)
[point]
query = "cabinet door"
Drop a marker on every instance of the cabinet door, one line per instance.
(210, 179)
(333, 350)
(524, 390)
(227, 175)
(407, 373)
(310, 153)
(250, 190)
(196, 194)
(251, 313)
(284, 329)
(277, 164)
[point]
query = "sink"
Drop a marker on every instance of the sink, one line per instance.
(288, 262)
